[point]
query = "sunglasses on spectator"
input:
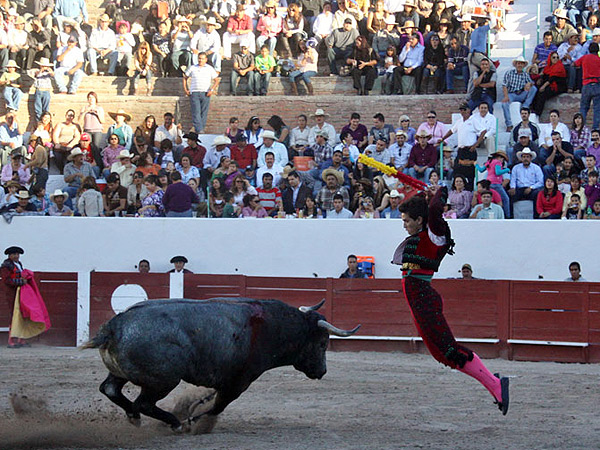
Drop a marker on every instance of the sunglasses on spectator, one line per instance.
(405, 120)
(431, 117)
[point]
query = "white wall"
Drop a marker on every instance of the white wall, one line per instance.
(510, 249)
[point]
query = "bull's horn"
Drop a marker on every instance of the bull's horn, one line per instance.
(337, 331)
(306, 309)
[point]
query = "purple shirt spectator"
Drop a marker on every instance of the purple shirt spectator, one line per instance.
(596, 152)
(179, 198)
(357, 135)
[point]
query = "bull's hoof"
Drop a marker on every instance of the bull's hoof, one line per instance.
(135, 421)
(181, 428)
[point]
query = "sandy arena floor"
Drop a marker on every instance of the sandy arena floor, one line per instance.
(366, 400)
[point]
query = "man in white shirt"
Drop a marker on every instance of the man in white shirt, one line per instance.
(323, 24)
(102, 44)
(200, 81)
(270, 145)
(171, 131)
(321, 125)
(575, 269)
(70, 57)
(338, 211)
(207, 40)
(270, 167)
(546, 129)
(482, 129)
(213, 156)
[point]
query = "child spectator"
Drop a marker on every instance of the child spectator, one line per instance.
(58, 208)
(40, 199)
(496, 168)
(230, 210)
(593, 213)
(390, 62)
(576, 188)
(573, 209)
(265, 64)
(590, 166)
(90, 202)
(11, 80)
(43, 87)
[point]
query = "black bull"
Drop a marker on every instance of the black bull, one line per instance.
(223, 344)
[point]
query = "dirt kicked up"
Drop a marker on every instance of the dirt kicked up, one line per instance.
(49, 398)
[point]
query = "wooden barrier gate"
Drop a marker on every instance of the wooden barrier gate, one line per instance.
(521, 320)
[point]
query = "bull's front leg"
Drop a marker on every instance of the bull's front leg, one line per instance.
(112, 387)
(224, 397)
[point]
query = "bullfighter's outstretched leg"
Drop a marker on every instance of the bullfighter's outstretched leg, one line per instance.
(112, 387)
(146, 404)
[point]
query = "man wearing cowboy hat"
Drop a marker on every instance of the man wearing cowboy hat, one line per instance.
(70, 9)
(70, 59)
(75, 171)
(319, 116)
(393, 211)
(194, 149)
(219, 149)
(270, 144)
(22, 205)
(562, 27)
(423, 157)
(333, 186)
(200, 82)
(569, 52)
(595, 38)
(463, 34)
(340, 44)
(526, 178)
(103, 45)
(518, 87)
(411, 59)
(408, 29)
(58, 207)
(18, 41)
(524, 140)
(124, 168)
(11, 81)
(181, 39)
(207, 40)
(386, 37)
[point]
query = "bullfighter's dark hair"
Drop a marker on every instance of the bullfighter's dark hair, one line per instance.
(416, 207)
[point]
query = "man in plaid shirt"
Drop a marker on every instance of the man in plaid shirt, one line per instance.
(518, 87)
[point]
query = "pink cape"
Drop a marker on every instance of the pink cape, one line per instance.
(31, 302)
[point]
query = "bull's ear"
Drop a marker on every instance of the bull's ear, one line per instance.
(306, 309)
(337, 331)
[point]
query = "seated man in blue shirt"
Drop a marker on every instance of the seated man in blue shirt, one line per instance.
(526, 178)
(411, 58)
(393, 211)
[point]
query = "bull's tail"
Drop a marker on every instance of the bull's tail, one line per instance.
(100, 339)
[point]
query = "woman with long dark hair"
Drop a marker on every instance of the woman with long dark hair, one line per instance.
(282, 132)
(363, 61)
(549, 202)
(254, 132)
(581, 136)
(552, 82)
(420, 255)
(142, 65)
(434, 59)
(293, 30)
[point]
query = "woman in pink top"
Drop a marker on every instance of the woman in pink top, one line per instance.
(270, 26)
(93, 118)
(253, 208)
(110, 154)
(496, 168)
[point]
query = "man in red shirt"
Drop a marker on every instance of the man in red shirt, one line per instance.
(423, 157)
(243, 153)
(194, 149)
(239, 31)
(590, 65)
(270, 196)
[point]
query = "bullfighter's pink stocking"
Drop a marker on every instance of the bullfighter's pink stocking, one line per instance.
(477, 370)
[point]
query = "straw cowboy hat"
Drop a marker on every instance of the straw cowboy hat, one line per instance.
(212, 21)
(20, 20)
(561, 13)
(75, 152)
(23, 194)
(268, 134)
(120, 112)
(125, 154)
(526, 151)
(410, 3)
(58, 193)
(408, 24)
(271, 4)
(44, 62)
(466, 18)
(104, 18)
(179, 19)
(519, 59)
(423, 133)
(390, 20)
(336, 173)
(500, 153)
(319, 112)
(287, 170)
(12, 63)
(222, 140)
